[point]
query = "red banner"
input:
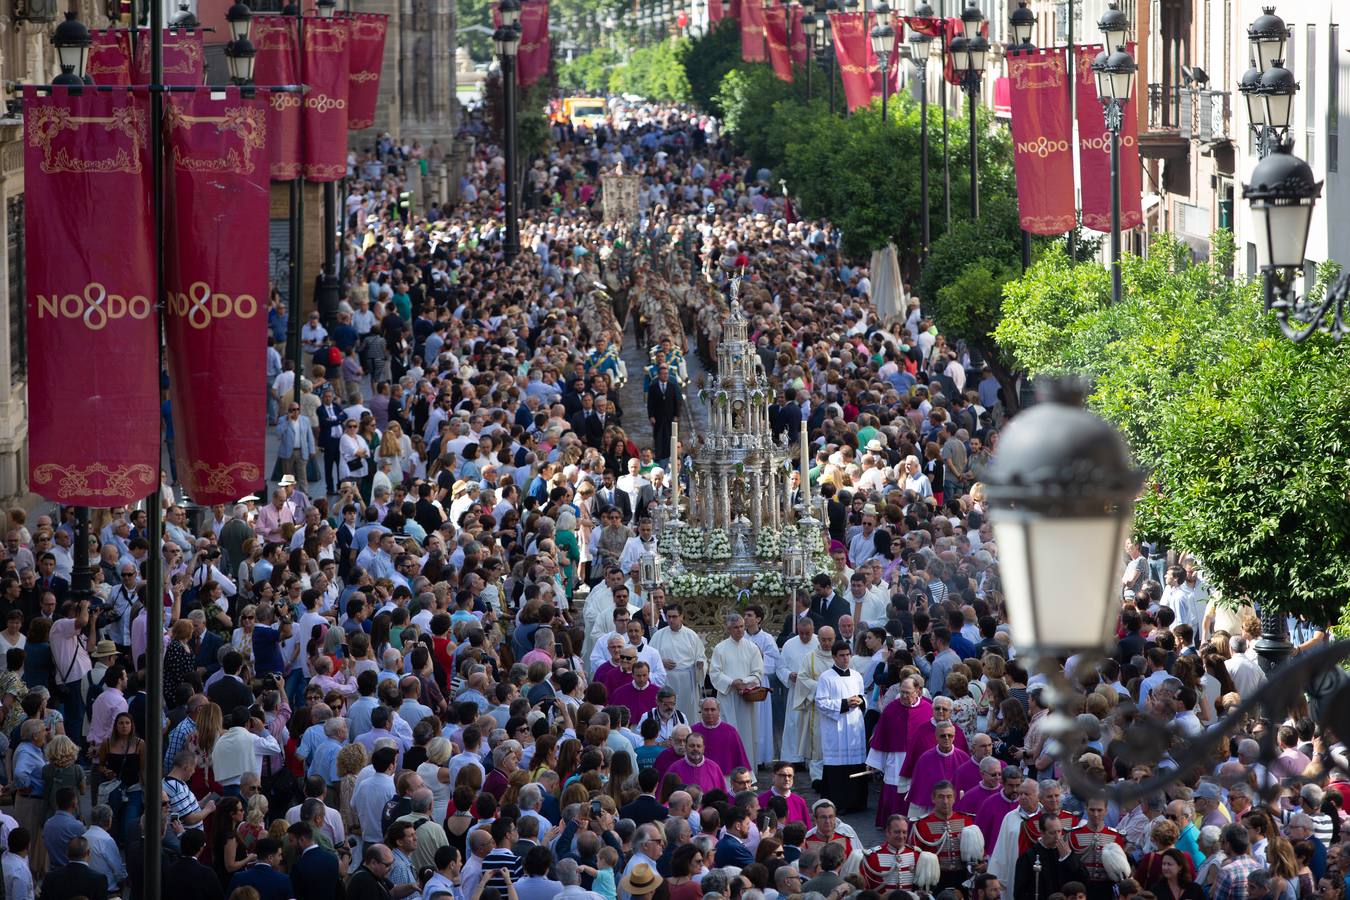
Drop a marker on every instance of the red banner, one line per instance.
(775, 35)
(1094, 153)
(752, 32)
(533, 56)
(93, 385)
(1042, 140)
(215, 290)
(323, 139)
(716, 12)
(109, 57)
(858, 65)
(364, 65)
(797, 36)
(275, 63)
(922, 25)
(184, 57)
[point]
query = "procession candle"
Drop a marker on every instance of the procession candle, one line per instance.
(787, 495)
(806, 468)
(675, 465)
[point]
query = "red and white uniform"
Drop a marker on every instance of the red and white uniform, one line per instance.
(1031, 830)
(814, 841)
(942, 838)
(886, 868)
(1088, 845)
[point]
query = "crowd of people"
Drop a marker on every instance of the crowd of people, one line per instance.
(425, 665)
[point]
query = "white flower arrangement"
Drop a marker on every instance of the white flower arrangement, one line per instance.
(719, 544)
(769, 584)
(693, 585)
(769, 543)
(668, 543)
(691, 543)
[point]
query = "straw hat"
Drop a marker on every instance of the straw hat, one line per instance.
(642, 880)
(103, 650)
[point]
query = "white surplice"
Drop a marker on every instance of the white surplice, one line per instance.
(769, 649)
(790, 660)
(843, 739)
(734, 660)
(686, 649)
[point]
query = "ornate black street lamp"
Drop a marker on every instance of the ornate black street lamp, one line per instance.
(1061, 493)
(969, 53)
(1115, 70)
(506, 41)
(883, 45)
(920, 44)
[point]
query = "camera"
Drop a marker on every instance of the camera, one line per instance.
(595, 807)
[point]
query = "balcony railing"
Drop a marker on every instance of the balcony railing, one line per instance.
(1187, 112)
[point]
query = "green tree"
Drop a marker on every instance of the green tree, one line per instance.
(707, 60)
(654, 72)
(1244, 433)
(588, 73)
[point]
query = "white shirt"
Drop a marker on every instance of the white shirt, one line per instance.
(368, 801)
(18, 880)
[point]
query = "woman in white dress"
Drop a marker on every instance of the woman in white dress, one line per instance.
(436, 775)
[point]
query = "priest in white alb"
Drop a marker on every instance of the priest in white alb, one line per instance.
(791, 658)
(754, 615)
(684, 657)
(599, 601)
(804, 699)
(843, 737)
(737, 666)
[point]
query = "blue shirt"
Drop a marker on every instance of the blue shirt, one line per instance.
(178, 739)
(267, 649)
(104, 857)
(310, 741)
(57, 834)
(535, 887)
(28, 763)
(358, 717)
(324, 761)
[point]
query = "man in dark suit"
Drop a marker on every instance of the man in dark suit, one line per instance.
(587, 422)
(331, 417)
(646, 808)
(731, 849)
(801, 611)
(263, 876)
(48, 580)
(75, 878)
(314, 874)
(230, 691)
(827, 607)
(663, 409)
(188, 878)
(208, 647)
(609, 495)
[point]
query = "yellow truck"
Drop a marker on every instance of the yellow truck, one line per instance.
(588, 111)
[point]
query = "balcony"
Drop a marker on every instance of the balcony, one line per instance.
(1170, 123)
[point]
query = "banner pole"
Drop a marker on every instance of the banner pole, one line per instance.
(297, 229)
(1073, 120)
(154, 591)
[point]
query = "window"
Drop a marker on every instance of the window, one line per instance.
(1310, 97)
(1333, 97)
(18, 312)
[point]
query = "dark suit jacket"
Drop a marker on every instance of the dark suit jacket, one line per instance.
(58, 586)
(789, 629)
(267, 881)
(644, 809)
(618, 499)
(314, 876)
(74, 880)
(835, 608)
(588, 428)
(208, 652)
(189, 878)
(326, 423)
(733, 852)
(227, 693)
(663, 407)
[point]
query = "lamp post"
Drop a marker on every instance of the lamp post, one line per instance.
(809, 34)
(239, 52)
(970, 53)
(1282, 195)
(1115, 70)
(326, 288)
(1022, 23)
(883, 44)
(1061, 491)
(507, 41)
(920, 44)
(1268, 37)
(72, 41)
(825, 34)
